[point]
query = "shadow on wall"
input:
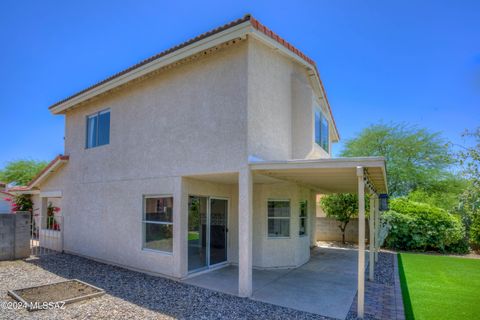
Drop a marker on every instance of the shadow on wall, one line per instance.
(327, 230)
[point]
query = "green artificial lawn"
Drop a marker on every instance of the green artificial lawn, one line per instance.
(193, 235)
(440, 287)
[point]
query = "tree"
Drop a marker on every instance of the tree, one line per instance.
(416, 158)
(21, 172)
(470, 199)
(444, 194)
(342, 207)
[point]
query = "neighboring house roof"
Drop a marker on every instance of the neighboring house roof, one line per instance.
(8, 194)
(50, 169)
(232, 30)
(18, 188)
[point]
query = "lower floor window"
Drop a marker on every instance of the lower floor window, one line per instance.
(303, 218)
(158, 223)
(278, 218)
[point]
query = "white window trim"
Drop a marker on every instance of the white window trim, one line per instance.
(144, 222)
(280, 218)
(96, 114)
(306, 220)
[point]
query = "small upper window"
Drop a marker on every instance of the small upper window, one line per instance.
(321, 130)
(98, 129)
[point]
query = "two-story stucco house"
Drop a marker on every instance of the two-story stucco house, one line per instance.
(209, 153)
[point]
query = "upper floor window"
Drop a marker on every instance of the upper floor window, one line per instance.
(98, 129)
(321, 130)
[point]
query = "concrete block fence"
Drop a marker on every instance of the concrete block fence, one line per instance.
(15, 236)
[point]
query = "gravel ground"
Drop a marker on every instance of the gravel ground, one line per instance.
(385, 268)
(129, 294)
(384, 274)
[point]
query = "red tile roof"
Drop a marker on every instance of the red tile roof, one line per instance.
(260, 27)
(157, 56)
(255, 24)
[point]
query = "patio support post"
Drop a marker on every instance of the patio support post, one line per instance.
(377, 227)
(245, 210)
(361, 243)
(371, 239)
(313, 220)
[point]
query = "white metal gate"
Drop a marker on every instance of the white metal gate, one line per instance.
(46, 234)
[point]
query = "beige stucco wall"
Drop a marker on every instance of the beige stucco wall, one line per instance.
(189, 119)
(280, 107)
(279, 252)
(205, 116)
(54, 182)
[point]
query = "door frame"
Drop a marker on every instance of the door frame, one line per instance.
(207, 230)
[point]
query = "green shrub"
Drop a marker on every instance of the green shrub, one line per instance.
(421, 227)
(475, 233)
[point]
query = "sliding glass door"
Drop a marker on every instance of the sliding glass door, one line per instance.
(197, 233)
(207, 232)
(218, 230)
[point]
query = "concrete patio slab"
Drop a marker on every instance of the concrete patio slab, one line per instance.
(326, 285)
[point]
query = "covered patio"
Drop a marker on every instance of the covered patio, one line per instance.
(332, 276)
(326, 285)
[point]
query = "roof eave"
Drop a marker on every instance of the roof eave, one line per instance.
(306, 62)
(237, 31)
(240, 29)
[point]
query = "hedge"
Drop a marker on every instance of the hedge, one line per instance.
(421, 227)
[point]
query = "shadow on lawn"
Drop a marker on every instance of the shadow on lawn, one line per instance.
(407, 303)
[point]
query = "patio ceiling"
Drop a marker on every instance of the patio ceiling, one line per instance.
(334, 175)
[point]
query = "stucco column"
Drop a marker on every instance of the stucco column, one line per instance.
(377, 227)
(180, 229)
(245, 232)
(361, 243)
(371, 239)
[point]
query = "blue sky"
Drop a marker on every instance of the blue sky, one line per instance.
(411, 61)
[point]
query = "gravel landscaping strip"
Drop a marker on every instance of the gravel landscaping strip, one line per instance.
(129, 294)
(380, 295)
(384, 269)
